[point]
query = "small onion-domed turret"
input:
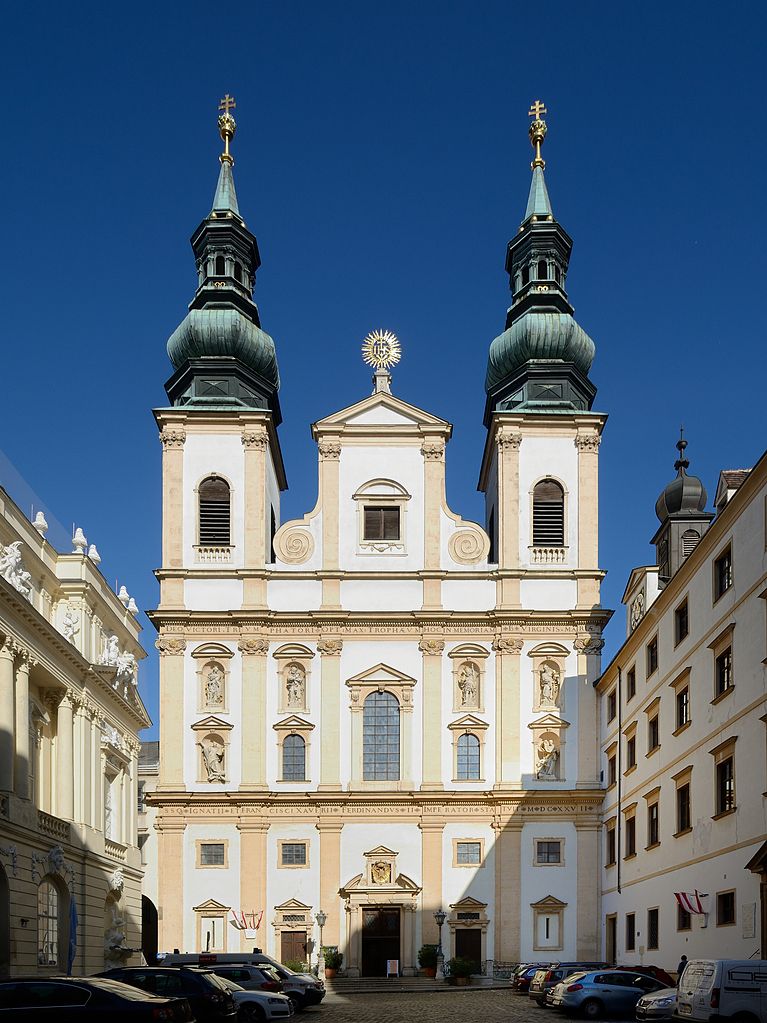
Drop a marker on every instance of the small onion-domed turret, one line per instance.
(684, 495)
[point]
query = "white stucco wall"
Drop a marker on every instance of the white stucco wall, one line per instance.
(204, 455)
(539, 458)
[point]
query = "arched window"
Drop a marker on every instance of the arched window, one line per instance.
(548, 514)
(238, 272)
(557, 274)
(543, 270)
(220, 266)
(293, 758)
(380, 738)
(468, 757)
(525, 275)
(690, 539)
(48, 924)
(215, 513)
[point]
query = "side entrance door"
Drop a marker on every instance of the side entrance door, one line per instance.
(380, 939)
(293, 946)
(468, 945)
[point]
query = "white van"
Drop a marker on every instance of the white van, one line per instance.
(723, 989)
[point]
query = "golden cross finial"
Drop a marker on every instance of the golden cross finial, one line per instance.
(226, 127)
(537, 132)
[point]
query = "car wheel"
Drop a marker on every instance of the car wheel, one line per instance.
(591, 1008)
(250, 1013)
(298, 1005)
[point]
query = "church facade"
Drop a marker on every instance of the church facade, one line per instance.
(378, 710)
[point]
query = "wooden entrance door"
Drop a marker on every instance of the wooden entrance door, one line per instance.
(468, 945)
(293, 946)
(380, 939)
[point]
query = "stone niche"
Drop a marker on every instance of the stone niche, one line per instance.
(548, 735)
(294, 670)
(213, 663)
(548, 667)
(468, 663)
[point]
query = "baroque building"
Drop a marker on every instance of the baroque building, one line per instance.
(683, 709)
(378, 710)
(70, 713)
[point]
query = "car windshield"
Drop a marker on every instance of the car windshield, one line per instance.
(574, 976)
(229, 984)
(211, 978)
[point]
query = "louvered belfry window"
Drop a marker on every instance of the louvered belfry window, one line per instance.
(548, 515)
(215, 513)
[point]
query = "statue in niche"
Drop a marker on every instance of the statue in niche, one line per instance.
(468, 684)
(214, 686)
(213, 759)
(549, 684)
(380, 873)
(548, 759)
(71, 626)
(295, 683)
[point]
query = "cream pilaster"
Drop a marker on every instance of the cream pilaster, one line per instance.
(65, 771)
(507, 738)
(588, 924)
(588, 518)
(172, 437)
(330, 879)
(330, 466)
(80, 726)
(511, 916)
(255, 443)
(433, 451)
(253, 650)
(253, 837)
(7, 715)
(132, 836)
(96, 770)
(507, 513)
(431, 872)
(170, 859)
(171, 649)
(330, 713)
(431, 647)
(21, 765)
(588, 646)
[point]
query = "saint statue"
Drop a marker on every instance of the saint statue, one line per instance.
(549, 684)
(71, 626)
(111, 650)
(468, 684)
(213, 759)
(214, 686)
(295, 683)
(548, 759)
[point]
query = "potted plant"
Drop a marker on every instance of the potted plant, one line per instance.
(296, 965)
(427, 960)
(459, 970)
(333, 960)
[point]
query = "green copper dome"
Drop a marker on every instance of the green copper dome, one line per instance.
(221, 332)
(539, 335)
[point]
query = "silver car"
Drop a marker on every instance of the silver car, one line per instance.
(658, 1005)
(602, 992)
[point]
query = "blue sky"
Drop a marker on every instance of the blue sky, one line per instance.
(383, 163)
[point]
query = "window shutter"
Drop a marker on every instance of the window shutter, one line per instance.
(215, 513)
(548, 515)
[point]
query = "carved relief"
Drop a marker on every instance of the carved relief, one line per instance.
(547, 752)
(254, 439)
(170, 645)
(508, 644)
(468, 546)
(255, 645)
(12, 569)
(329, 448)
(380, 872)
(330, 647)
(293, 545)
(173, 437)
(508, 440)
(431, 646)
(71, 625)
(588, 441)
(433, 450)
(295, 686)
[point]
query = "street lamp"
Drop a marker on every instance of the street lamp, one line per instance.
(439, 916)
(322, 919)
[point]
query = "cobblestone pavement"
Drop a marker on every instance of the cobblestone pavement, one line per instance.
(494, 1006)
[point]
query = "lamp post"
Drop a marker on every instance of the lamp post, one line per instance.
(439, 916)
(322, 919)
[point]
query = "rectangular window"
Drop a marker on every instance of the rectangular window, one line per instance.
(652, 928)
(141, 794)
(653, 733)
(468, 853)
(653, 824)
(683, 919)
(683, 813)
(631, 927)
(611, 771)
(548, 852)
(212, 854)
(631, 837)
(725, 909)
(631, 683)
(652, 656)
(612, 705)
(381, 523)
(723, 573)
(725, 785)
(723, 672)
(293, 854)
(212, 934)
(683, 707)
(610, 846)
(631, 752)
(681, 622)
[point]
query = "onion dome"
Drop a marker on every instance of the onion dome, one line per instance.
(539, 334)
(684, 495)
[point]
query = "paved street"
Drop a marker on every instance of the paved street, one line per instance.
(494, 1006)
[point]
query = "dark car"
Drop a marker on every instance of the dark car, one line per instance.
(651, 971)
(520, 980)
(71, 999)
(210, 999)
(547, 976)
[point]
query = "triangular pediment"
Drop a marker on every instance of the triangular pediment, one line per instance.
(210, 904)
(469, 903)
(383, 674)
(212, 723)
(468, 723)
(293, 722)
(381, 409)
(380, 850)
(549, 902)
(549, 721)
(293, 904)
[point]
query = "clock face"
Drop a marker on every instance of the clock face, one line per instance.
(637, 610)
(381, 349)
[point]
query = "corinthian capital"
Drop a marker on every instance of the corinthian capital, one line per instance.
(508, 439)
(508, 644)
(254, 645)
(431, 645)
(330, 448)
(255, 439)
(588, 441)
(433, 450)
(170, 645)
(330, 647)
(173, 436)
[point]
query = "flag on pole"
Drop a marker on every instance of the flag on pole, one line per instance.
(690, 901)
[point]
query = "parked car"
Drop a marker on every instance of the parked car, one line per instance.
(723, 989)
(547, 976)
(210, 999)
(72, 999)
(251, 978)
(602, 992)
(657, 1005)
(524, 973)
(303, 988)
(258, 1006)
(650, 971)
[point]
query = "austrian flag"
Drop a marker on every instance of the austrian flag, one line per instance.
(690, 901)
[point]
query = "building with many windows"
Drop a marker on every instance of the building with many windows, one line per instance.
(70, 713)
(683, 722)
(378, 710)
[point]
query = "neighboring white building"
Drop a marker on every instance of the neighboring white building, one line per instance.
(70, 714)
(378, 710)
(684, 733)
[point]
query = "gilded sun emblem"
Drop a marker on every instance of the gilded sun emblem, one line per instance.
(381, 349)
